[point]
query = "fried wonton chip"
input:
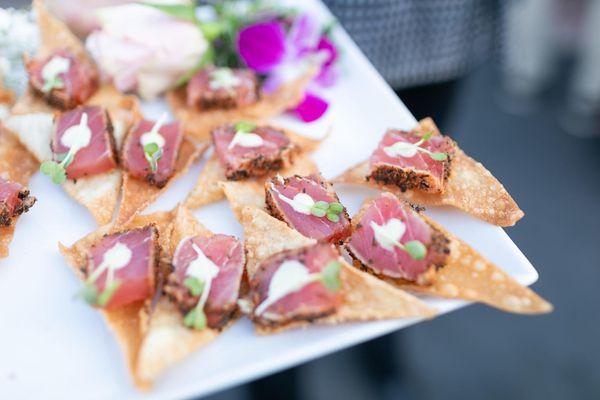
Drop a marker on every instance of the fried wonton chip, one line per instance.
(17, 165)
(138, 194)
(365, 297)
(467, 275)
(208, 188)
(198, 124)
(470, 187)
(129, 323)
(167, 340)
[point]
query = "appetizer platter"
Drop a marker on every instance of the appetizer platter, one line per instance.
(173, 247)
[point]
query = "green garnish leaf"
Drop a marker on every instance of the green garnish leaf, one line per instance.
(181, 11)
(89, 293)
(53, 83)
(108, 293)
(212, 29)
(245, 127)
(194, 285)
(55, 171)
(438, 156)
(415, 249)
(426, 136)
(336, 207)
(323, 205)
(330, 276)
(318, 212)
(195, 319)
(333, 217)
(153, 153)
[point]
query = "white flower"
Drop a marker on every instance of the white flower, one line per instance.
(141, 48)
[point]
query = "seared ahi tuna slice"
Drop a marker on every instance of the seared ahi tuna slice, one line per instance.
(412, 162)
(206, 277)
(391, 239)
(122, 268)
(99, 155)
(298, 284)
(14, 200)
(246, 150)
(62, 79)
(309, 205)
(222, 88)
(151, 149)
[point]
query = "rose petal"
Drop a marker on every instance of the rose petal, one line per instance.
(311, 108)
(262, 45)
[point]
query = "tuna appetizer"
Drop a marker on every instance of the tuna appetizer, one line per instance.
(309, 205)
(14, 201)
(391, 239)
(248, 150)
(403, 247)
(426, 168)
(151, 149)
(205, 282)
(82, 145)
(61, 79)
(222, 88)
(411, 161)
(299, 284)
(122, 268)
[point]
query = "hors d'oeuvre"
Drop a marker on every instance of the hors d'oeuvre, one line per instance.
(427, 168)
(250, 152)
(86, 169)
(309, 205)
(16, 167)
(164, 283)
(154, 154)
(218, 95)
(296, 281)
(61, 79)
(396, 243)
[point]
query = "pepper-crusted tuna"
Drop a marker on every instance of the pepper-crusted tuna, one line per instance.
(151, 149)
(391, 239)
(61, 79)
(224, 88)
(99, 155)
(206, 277)
(246, 150)
(122, 268)
(309, 205)
(298, 284)
(14, 200)
(412, 162)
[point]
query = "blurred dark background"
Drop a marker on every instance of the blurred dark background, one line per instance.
(517, 84)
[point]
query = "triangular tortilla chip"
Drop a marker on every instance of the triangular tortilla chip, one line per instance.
(469, 276)
(17, 165)
(130, 322)
(208, 189)
(167, 340)
(198, 124)
(364, 296)
(470, 187)
(138, 194)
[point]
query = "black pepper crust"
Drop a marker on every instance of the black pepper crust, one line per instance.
(275, 211)
(25, 203)
(261, 165)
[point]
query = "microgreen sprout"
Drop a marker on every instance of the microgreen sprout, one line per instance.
(196, 318)
(153, 142)
(245, 127)
(55, 83)
(331, 210)
(388, 235)
(153, 153)
(330, 276)
(407, 149)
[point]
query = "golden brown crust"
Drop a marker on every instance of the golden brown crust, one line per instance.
(138, 194)
(198, 124)
(470, 187)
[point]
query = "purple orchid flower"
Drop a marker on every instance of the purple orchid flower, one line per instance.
(266, 48)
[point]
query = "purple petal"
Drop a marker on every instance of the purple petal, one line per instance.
(304, 34)
(262, 45)
(326, 45)
(311, 108)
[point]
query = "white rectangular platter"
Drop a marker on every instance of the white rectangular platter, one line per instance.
(53, 346)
